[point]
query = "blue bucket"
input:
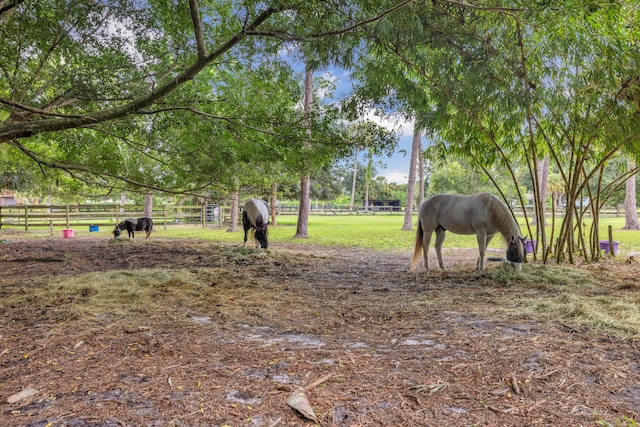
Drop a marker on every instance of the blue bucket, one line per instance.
(93, 228)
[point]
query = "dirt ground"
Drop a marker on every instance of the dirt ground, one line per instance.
(385, 351)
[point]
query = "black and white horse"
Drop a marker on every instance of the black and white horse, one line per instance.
(256, 215)
(132, 225)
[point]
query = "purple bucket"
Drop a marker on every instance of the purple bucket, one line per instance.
(529, 246)
(604, 245)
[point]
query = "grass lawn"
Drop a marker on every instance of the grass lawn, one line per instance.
(382, 232)
(385, 232)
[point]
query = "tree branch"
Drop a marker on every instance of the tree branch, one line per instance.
(197, 28)
(483, 8)
(290, 37)
(11, 131)
(36, 110)
(71, 169)
(9, 6)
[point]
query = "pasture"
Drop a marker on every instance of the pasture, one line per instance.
(189, 328)
(379, 232)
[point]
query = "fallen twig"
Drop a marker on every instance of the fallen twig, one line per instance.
(496, 410)
(25, 393)
(535, 405)
(514, 385)
(431, 387)
(316, 383)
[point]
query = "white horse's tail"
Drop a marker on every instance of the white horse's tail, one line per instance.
(417, 252)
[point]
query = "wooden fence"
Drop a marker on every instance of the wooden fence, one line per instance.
(27, 216)
(108, 215)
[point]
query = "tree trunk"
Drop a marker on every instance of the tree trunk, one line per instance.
(274, 203)
(302, 231)
(147, 211)
(543, 185)
(367, 180)
(411, 186)
(630, 205)
(234, 212)
(123, 201)
(355, 174)
(421, 176)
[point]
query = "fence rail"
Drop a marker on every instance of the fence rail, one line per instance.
(26, 216)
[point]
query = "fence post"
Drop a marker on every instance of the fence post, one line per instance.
(164, 216)
(26, 218)
(204, 216)
(611, 252)
(67, 216)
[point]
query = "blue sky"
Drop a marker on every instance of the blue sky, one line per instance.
(397, 166)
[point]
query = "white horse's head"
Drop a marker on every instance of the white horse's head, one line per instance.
(515, 252)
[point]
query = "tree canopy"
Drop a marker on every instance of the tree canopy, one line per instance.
(85, 83)
(505, 87)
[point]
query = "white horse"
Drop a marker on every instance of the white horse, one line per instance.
(256, 215)
(480, 214)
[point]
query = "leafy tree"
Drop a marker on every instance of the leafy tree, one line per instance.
(540, 83)
(85, 84)
(373, 139)
(416, 148)
(630, 204)
(325, 186)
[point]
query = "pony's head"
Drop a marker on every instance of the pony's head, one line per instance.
(117, 232)
(262, 236)
(515, 252)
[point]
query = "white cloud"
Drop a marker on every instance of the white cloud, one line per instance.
(331, 77)
(324, 92)
(396, 122)
(397, 176)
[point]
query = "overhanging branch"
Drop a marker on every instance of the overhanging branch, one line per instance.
(75, 170)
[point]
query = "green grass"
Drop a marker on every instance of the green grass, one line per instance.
(382, 232)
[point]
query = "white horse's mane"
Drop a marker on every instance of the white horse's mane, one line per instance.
(507, 225)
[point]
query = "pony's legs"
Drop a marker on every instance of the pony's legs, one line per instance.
(440, 235)
(483, 243)
(426, 240)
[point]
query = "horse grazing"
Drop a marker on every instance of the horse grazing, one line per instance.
(256, 215)
(480, 214)
(132, 225)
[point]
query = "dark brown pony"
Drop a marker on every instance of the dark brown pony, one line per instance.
(480, 214)
(132, 225)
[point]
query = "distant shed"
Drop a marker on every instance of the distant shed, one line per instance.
(392, 205)
(7, 198)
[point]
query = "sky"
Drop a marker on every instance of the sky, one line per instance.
(396, 168)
